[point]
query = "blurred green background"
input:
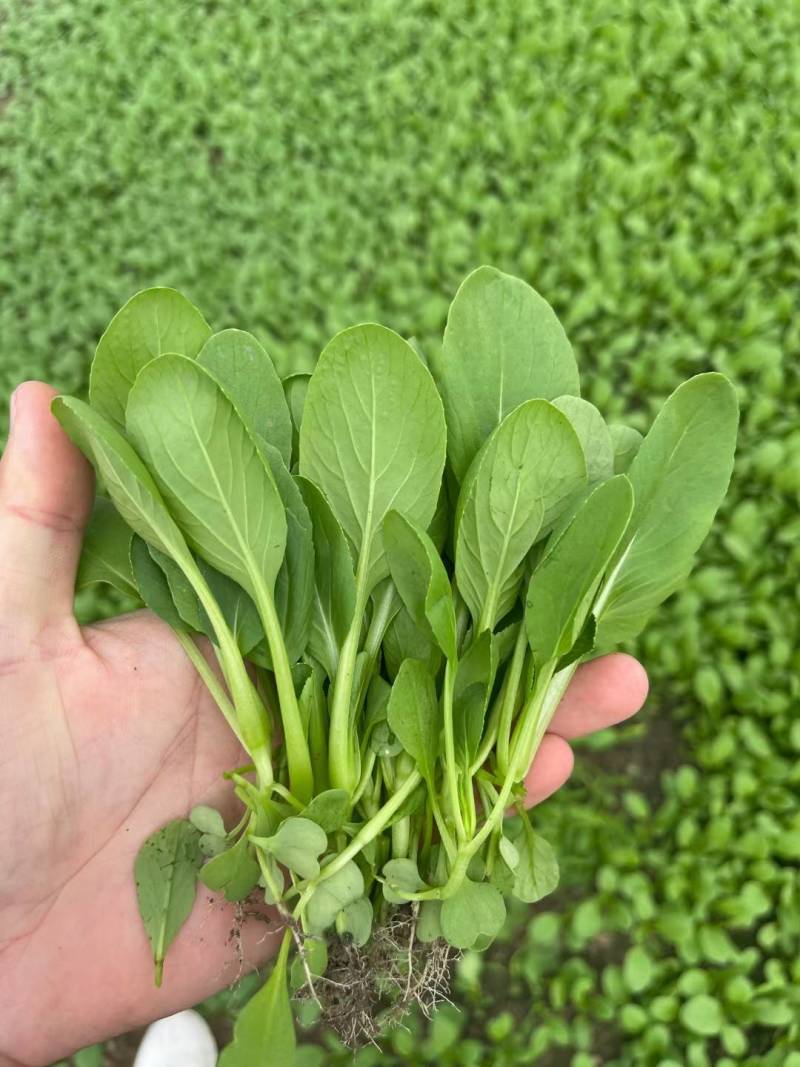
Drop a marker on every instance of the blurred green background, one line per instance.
(297, 167)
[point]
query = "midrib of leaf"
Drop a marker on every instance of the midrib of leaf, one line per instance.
(165, 913)
(244, 551)
(327, 629)
(494, 592)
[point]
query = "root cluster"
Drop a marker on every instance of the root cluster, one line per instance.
(365, 991)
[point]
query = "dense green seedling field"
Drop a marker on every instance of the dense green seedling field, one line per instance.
(303, 167)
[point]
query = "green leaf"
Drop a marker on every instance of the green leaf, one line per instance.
(329, 809)
(127, 480)
(563, 586)
(297, 844)
(152, 322)
(334, 597)
(249, 379)
(475, 910)
(264, 1030)
(475, 679)
(702, 1015)
(331, 896)
(510, 853)
(414, 716)
(637, 969)
(355, 921)
(294, 586)
(105, 555)
(152, 585)
(626, 442)
(207, 820)
(237, 607)
(295, 387)
(593, 434)
(502, 345)
(429, 925)
(536, 874)
(679, 477)
(421, 580)
(213, 476)
(166, 884)
(182, 592)
(527, 471)
(405, 640)
(400, 877)
(373, 437)
(234, 873)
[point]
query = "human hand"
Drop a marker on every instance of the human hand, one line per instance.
(106, 733)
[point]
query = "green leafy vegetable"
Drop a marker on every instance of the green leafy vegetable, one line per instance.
(392, 637)
(249, 379)
(151, 323)
(503, 345)
(512, 490)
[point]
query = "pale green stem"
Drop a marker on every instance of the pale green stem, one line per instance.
(451, 769)
(366, 774)
(210, 680)
(250, 712)
(301, 776)
(342, 753)
(510, 699)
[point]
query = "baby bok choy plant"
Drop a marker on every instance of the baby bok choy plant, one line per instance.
(399, 566)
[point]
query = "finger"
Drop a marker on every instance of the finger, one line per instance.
(552, 765)
(46, 490)
(602, 693)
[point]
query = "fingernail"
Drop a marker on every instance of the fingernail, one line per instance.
(12, 409)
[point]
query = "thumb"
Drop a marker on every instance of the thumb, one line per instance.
(46, 489)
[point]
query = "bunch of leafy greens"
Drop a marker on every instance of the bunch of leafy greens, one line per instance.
(399, 565)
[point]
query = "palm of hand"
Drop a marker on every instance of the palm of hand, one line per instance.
(106, 734)
(117, 735)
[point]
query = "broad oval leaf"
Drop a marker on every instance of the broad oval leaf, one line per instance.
(329, 809)
(474, 912)
(106, 552)
(680, 476)
(264, 1029)
(373, 437)
(414, 717)
(297, 844)
(401, 877)
(331, 896)
(152, 322)
(502, 345)
(165, 872)
(536, 874)
(355, 921)
(234, 873)
(593, 434)
(211, 472)
(523, 476)
(421, 580)
(248, 377)
(563, 585)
